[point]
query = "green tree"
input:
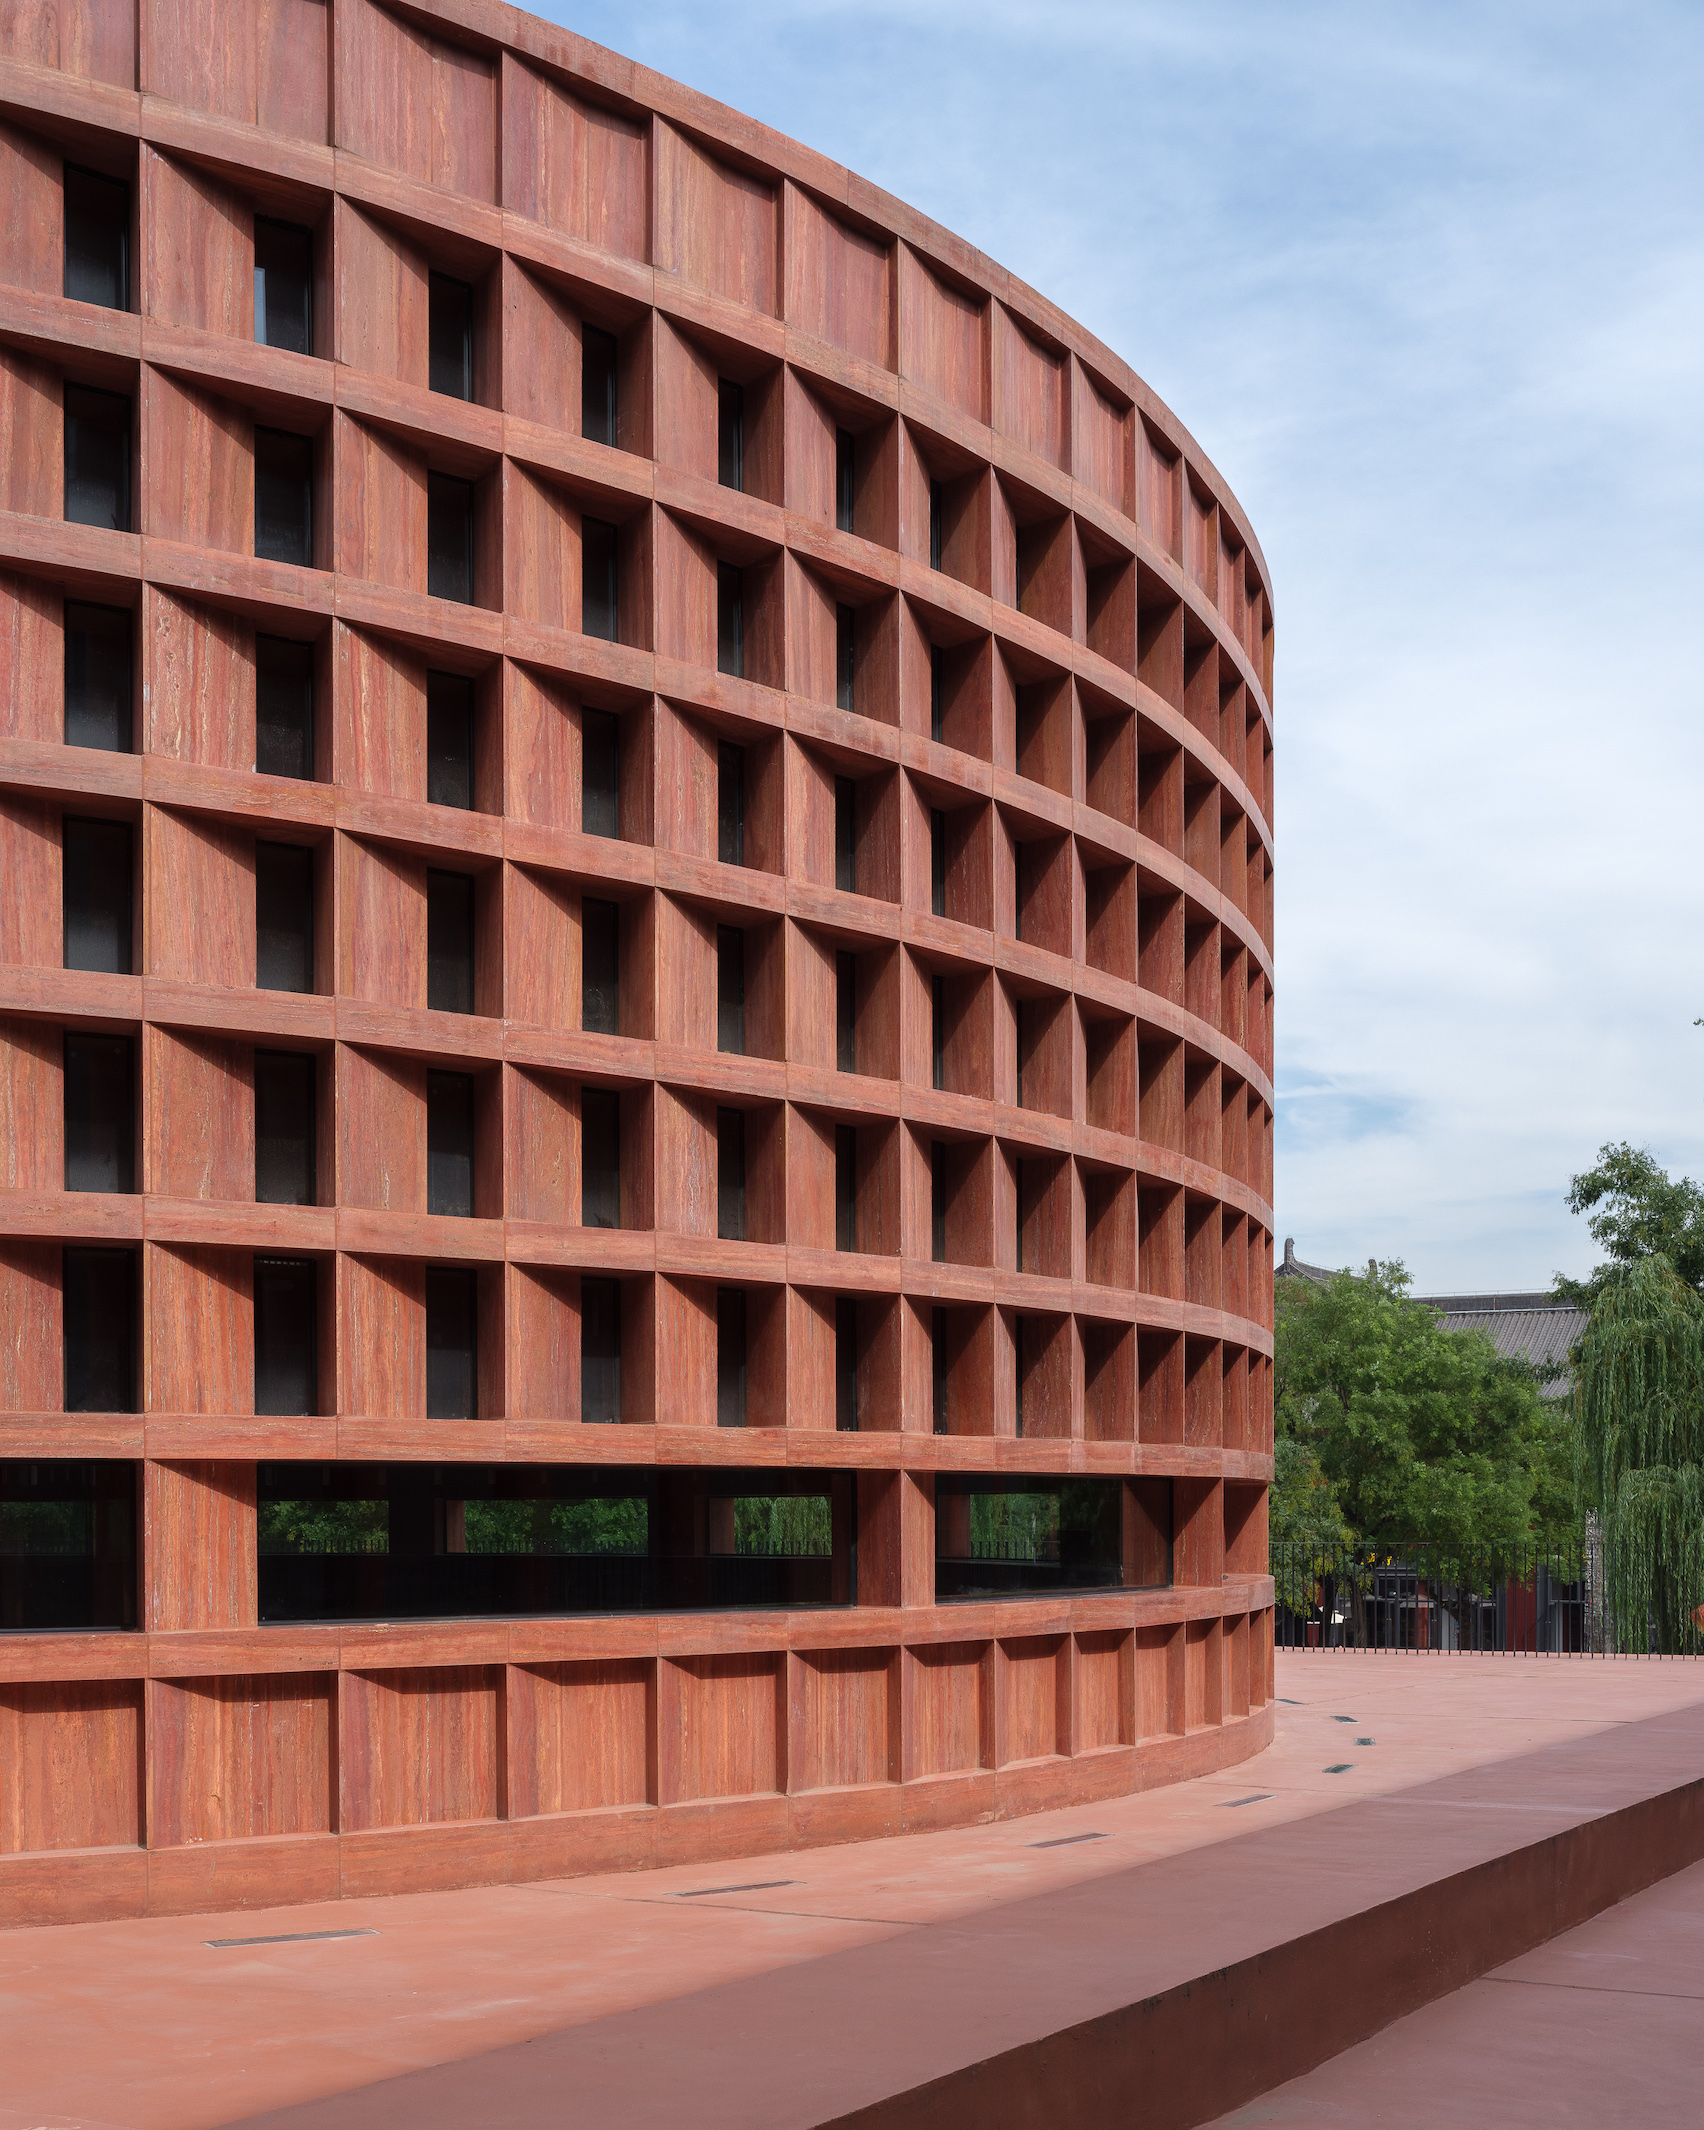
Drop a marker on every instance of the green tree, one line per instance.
(1635, 1210)
(1639, 1394)
(1421, 1434)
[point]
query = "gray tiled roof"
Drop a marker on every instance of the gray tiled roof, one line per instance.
(1528, 1327)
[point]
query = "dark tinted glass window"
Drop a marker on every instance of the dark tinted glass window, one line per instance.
(97, 458)
(600, 1350)
(283, 917)
(937, 693)
(100, 1331)
(598, 615)
(730, 989)
(730, 1357)
(1020, 1369)
(845, 1187)
(730, 1175)
(1009, 1536)
(449, 538)
(449, 1143)
(97, 677)
(284, 1172)
(67, 1544)
(283, 707)
(597, 386)
(730, 620)
(286, 1335)
(846, 1012)
(936, 524)
(284, 497)
(97, 239)
(450, 311)
(845, 835)
(937, 862)
(449, 739)
(846, 1363)
(730, 804)
(938, 1200)
(600, 1158)
(449, 942)
(730, 434)
(845, 449)
(938, 1367)
(283, 286)
(452, 1343)
(938, 1029)
(600, 773)
(100, 1113)
(97, 895)
(845, 655)
(600, 966)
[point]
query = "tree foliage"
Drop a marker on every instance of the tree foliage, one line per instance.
(1635, 1211)
(1420, 1434)
(1639, 1394)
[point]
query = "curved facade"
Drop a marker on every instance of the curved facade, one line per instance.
(635, 989)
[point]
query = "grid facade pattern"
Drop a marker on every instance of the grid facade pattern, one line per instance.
(865, 764)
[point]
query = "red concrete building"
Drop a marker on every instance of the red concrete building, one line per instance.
(635, 988)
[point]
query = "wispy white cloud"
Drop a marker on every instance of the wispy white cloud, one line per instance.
(1427, 285)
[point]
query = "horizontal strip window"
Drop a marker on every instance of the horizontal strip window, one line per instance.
(459, 1541)
(67, 1544)
(1024, 1535)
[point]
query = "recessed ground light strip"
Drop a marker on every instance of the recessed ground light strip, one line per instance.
(1064, 1841)
(288, 1937)
(700, 1893)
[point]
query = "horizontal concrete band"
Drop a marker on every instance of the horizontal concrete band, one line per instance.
(1160, 1996)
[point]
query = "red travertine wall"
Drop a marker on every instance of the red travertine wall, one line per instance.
(1103, 619)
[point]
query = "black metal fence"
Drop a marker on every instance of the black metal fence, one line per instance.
(1522, 1601)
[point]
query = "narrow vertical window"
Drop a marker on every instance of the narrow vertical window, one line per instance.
(730, 804)
(1021, 1044)
(938, 1031)
(937, 693)
(97, 239)
(449, 942)
(449, 1143)
(283, 708)
(846, 1364)
(937, 526)
(449, 538)
(100, 1113)
(284, 497)
(845, 462)
(100, 1331)
(938, 1368)
(846, 835)
(937, 862)
(97, 458)
(1020, 1340)
(845, 1187)
(846, 1013)
(449, 740)
(286, 1335)
(600, 966)
(730, 990)
(845, 655)
(597, 386)
(730, 1175)
(598, 615)
(283, 286)
(600, 773)
(600, 1350)
(600, 1158)
(730, 1357)
(730, 434)
(449, 306)
(1020, 1212)
(284, 1150)
(938, 1200)
(97, 875)
(98, 669)
(452, 1343)
(283, 917)
(730, 620)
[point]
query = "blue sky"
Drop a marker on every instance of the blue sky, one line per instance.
(1428, 284)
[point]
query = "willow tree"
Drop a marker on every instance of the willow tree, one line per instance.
(1639, 1397)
